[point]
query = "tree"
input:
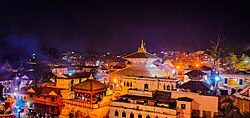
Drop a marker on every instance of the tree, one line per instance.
(223, 52)
(228, 110)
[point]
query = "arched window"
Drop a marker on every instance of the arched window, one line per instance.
(116, 113)
(124, 83)
(168, 87)
(139, 116)
(145, 87)
(124, 114)
(172, 86)
(147, 116)
(130, 84)
(127, 84)
(131, 115)
(225, 81)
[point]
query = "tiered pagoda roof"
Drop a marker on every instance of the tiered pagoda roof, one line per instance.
(90, 85)
(137, 71)
(141, 61)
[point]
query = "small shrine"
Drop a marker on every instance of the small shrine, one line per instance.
(90, 90)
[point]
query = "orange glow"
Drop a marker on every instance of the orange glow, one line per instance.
(177, 67)
(115, 80)
(197, 65)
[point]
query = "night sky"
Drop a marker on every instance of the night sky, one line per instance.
(118, 26)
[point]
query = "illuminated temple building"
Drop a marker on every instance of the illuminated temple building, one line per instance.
(143, 75)
(150, 93)
(91, 99)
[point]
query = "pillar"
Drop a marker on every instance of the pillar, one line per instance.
(212, 114)
(201, 113)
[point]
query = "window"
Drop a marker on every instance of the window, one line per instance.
(225, 81)
(131, 115)
(123, 114)
(139, 116)
(147, 116)
(172, 87)
(183, 106)
(127, 84)
(31, 95)
(145, 86)
(168, 87)
(72, 81)
(116, 113)
(130, 84)
(164, 87)
(52, 99)
(124, 83)
(241, 81)
(44, 98)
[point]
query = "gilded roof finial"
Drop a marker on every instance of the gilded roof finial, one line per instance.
(91, 76)
(142, 47)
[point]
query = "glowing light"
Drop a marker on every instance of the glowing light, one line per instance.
(28, 104)
(197, 65)
(115, 80)
(236, 80)
(177, 67)
(16, 89)
(217, 78)
(173, 71)
(18, 110)
(70, 74)
(14, 93)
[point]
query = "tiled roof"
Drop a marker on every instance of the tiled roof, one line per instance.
(140, 70)
(140, 55)
(196, 85)
(75, 75)
(90, 84)
(46, 90)
(195, 73)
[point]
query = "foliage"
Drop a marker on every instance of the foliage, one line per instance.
(243, 62)
(229, 110)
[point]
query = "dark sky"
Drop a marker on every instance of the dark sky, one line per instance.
(119, 25)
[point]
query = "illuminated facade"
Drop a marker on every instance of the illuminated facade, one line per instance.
(142, 74)
(45, 98)
(90, 100)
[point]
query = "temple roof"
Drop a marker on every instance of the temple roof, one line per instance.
(195, 73)
(141, 53)
(138, 70)
(90, 84)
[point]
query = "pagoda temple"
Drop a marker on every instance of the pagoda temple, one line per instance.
(90, 100)
(142, 74)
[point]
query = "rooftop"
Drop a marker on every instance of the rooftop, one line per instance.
(90, 84)
(140, 70)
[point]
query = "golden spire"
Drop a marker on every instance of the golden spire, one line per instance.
(142, 48)
(91, 76)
